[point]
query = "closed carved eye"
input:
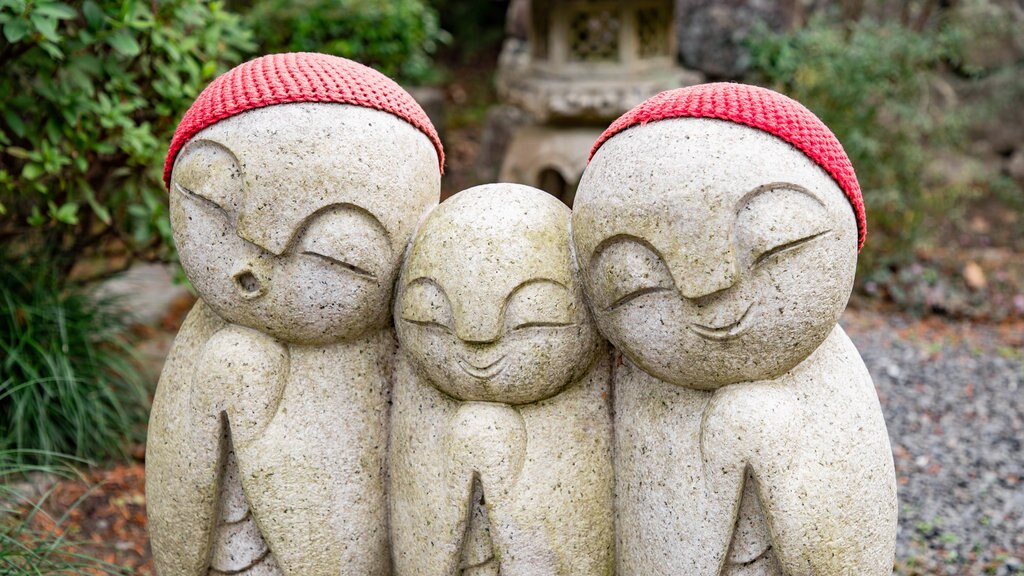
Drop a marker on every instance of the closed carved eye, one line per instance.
(347, 239)
(626, 269)
(627, 298)
(539, 303)
(355, 270)
(424, 303)
(777, 219)
(199, 198)
(786, 246)
(209, 172)
(525, 325)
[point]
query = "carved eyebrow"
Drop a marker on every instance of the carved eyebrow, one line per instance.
(775, 186)
(530, 282)
(304, 224)
(612, 240)
(349, 206)
(211, 142)
(427, 280)
(533, 281)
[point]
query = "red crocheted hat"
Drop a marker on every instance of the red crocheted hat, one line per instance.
(297, 77)
(759, 108)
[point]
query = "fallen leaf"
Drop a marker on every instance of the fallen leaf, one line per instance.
(975, 276)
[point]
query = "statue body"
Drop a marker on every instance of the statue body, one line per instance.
(268, 437)
(501, 428)
(748, 436)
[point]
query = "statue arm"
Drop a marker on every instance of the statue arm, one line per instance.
(184, 457)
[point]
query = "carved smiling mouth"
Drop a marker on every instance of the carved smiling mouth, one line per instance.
(482, 372)
(727, 332)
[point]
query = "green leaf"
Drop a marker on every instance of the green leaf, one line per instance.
(57, 10)
(36, 217)
(94, 15)
(18, 152)
(124, 43)
(15, 122)
(68, 213)
(52, 49)
(31, 171)
(15, 30)
(45, 25)
(90, 197)
(17, 6)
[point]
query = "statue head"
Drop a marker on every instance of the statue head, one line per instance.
(296, 181)
(489, 307)
(717, 230)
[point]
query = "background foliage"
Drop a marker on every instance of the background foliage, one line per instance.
(872, 85)
(397, 37)
(92, 92)
(68, 383)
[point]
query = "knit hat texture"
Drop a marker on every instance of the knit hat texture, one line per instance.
(297, 77)
(759, 108)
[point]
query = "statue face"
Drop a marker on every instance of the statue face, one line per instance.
(712, 253)
(489, 307)
(292, 219)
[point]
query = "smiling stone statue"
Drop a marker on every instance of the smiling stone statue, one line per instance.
(501, 430)
(717, 230)
(296, 181)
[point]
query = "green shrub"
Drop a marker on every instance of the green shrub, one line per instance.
(869, 83)
(67, 380)
(397, 37)
(90, 95)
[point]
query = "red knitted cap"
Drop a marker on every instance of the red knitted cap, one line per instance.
(759, 108)
(297, 77)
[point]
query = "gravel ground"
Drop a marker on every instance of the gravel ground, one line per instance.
(953, 398)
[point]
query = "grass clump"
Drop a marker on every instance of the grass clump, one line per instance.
(68, 381)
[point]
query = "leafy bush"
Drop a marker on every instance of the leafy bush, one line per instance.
(24, 548)
(90, 95)
(397, 37)
(870, 83)
(67, 380)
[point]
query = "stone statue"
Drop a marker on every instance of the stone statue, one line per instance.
(717, 229)
(296, 182)
(501, 423)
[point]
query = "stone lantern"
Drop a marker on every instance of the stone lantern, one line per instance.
(582, 64)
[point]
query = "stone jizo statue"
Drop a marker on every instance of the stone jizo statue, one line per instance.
(296, 181)
(501, 433)
(717, 229)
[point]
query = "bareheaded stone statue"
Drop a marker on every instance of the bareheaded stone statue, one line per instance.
(717, 229)
(296, 182)
(501, 429)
